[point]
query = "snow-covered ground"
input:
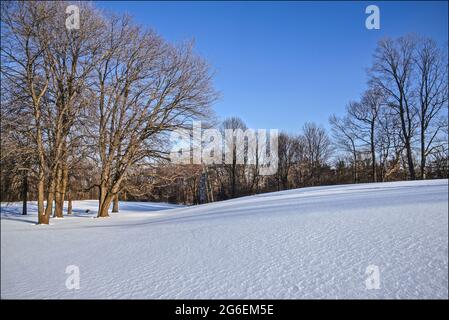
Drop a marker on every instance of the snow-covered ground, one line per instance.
(304, 243)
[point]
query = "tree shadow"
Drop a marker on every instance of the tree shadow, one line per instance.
(23, 218)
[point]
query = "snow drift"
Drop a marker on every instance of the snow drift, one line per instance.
(303, 243)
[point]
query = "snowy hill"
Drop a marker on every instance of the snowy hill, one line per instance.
(304, 243)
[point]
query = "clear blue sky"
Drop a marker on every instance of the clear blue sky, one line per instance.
(281, 64)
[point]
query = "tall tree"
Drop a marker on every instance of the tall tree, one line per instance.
(392, 72)
(346, 139)
(232, 150)
(288, 149)
(318, 149)
(365, 118)
(432, 81)
(144, 89)
(25, 72)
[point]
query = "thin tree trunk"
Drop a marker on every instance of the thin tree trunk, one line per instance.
(411, 167)
(233, 182)
(115, 203)
(408, 148)
(202, 189)
(234, 168)
(409, 156)
(356, 178)
(24, 193)
(373, 153)
(69, 203)
(50, 198)
(211, 192)
(63, 191)
(58, 194)
(42, 217)
(423, 155)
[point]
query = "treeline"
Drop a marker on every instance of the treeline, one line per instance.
(397, 130)
(87, 113)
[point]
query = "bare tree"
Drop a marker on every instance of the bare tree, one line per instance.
(432, 81)
(70, 56)
(50, 64)
(288, 149)
(145, 88)
(364, 117)
(346, 139)
(318, 150)
(233, 169)
(388, 144)
(23, 67)
(392, 72)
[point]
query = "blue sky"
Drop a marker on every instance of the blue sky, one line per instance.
(280, 64)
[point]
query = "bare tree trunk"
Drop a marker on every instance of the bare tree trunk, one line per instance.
(63, 191)
(211, 191)
(49, 206)
(411, 166)
(101, 195)
(50, 195)
(104, 206)
(24, 193)
(115, 203)
(407, 142)
(373, 153)
(202, 188)
(104, 202)
(58, 201)
(69, 203)
(233, 173)
(423, 154)
(42, 217)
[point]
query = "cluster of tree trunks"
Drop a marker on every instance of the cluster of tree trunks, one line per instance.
(108, 91)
